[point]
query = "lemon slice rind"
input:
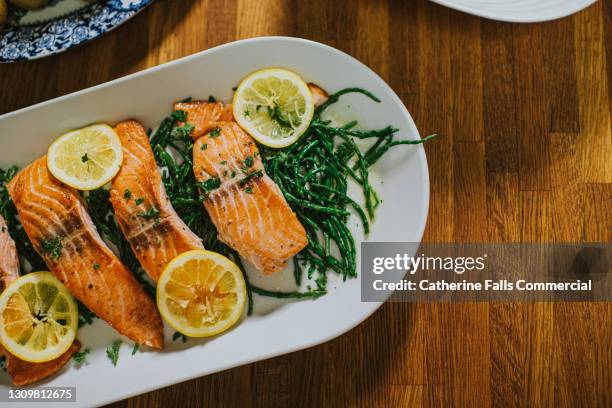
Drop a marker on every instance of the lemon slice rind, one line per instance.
(86, 158)
(195, 283)
(60, 307)
(274, 105)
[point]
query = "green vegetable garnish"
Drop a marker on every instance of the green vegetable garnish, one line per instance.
(135, 348)
(151, 213)
(112, 352)
(51, 246)
(80, 356)
(215, 132)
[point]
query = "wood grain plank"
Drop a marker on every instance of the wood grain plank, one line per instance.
(595, 131)
(499, 111)
(469, 191)
(560, 75)
(274, 17)
(222, 27)
(568, 219)
(523, 154)
(434, 75)
(404, 62)
(532, 119)
(508, 334)
(503, 211)
(508, 341)
(466, 78)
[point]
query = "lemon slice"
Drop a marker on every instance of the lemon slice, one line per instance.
(201, 293)
(273, 105)
(86, 158)
(38, 317)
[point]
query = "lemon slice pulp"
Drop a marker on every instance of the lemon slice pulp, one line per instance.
(201, 293)
(38, 317)
(86, 158)
(273, 105)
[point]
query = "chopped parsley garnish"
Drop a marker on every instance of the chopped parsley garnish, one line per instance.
(127, 194)
(135, 348)
(249, 190)
(211, 184)
(277, 116)
(233, 174)
(151, 213)
(178, 335)
(223, 162)
(204, 146)
(247, 113)
(51, 246)
(96, 266)
(112, 352)
(182, 132)
(80, 357)
(179, 115)
(139, 201)
(248, 162)
(249, 176)
(84, 158)
(215, 132)
(224, 173)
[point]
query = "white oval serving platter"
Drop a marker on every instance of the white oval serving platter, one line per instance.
(274, 329)
(518, 11)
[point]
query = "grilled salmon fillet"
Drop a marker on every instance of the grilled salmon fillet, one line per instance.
(146, 217)
(246, 206)
(9, 263)
(24, 372)
(58, 224)
(204, 116)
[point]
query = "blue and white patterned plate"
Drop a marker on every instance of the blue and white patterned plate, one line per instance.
(61, 25)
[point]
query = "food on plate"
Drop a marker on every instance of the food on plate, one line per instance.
(38, 318)
(146, 217)
(9, 262)
(273, 105)
(86, 158)
(201, 293)
(319, 95)
(204, 116)
(279, 194)
(247, 207)
(23, 372)
(29, 4)
(60, 229)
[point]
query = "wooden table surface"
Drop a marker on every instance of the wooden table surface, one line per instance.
(524, 154)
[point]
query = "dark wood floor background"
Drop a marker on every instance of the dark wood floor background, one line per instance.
(524, 154)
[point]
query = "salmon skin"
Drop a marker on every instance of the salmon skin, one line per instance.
(246, 206)
(148, 221)
(24, 372)
(204, 116)
(55, 219)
